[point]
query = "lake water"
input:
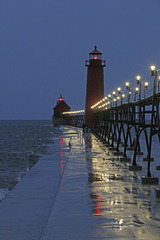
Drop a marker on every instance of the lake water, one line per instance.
(22, 143)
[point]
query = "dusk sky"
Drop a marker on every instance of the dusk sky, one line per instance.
(44, 45)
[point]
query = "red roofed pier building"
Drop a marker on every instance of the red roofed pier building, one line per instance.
(58, 110)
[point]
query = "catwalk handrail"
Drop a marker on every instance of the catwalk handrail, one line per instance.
(113, 123)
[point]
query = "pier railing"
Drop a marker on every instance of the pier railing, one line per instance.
(74, 118)
(114, 124)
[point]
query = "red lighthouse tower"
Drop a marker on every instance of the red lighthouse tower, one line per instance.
(95, 83)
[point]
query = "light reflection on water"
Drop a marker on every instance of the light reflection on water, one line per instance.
(119, 200)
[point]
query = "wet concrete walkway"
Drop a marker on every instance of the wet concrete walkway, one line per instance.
(82, 192)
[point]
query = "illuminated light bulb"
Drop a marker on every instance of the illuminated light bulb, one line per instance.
(114, 93)
(136, 89)
(138, 77)
(127, 84)
(109, 95)
(119, 89)
(118, 98)
(153, 68)
(123, 95)
(146, 84)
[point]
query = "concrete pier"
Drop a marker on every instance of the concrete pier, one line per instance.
(80, 191)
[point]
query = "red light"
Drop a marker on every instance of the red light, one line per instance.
(62, 166)
(60, 99)
(98, 205)
(61, 154)
(61, 163)
(95, 57)
(61, 144)
(98, 211)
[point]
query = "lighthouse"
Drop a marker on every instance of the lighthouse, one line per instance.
(95, 83)
(59, 109)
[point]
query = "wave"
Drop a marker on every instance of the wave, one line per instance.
(22, 174)
(3, 193)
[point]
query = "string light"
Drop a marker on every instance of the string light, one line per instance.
(74, 112)
(103, 103)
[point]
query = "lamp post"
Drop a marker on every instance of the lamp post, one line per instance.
(97, 105)
(104, 103)
(120, 92)
(118, 98)
(115, 101)
(158, 83)
(154, 74)
(114, 98)
(135, 92)
(108, 103)
(139, 83)
(129, 93)
(123, 96)
(110, 97)
(145, 87)
(152, 70)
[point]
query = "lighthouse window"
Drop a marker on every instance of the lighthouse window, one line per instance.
(95, 57)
